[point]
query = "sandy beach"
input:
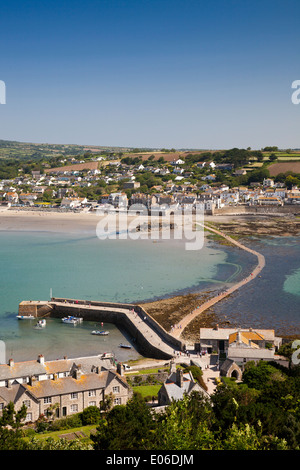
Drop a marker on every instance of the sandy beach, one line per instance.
(74, 222)
(167, 311)
(46, 221)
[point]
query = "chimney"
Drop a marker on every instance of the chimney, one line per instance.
(120, 369)
(172, 366)
(11, 363)
(41, 359)
(9, 384)
(179, 378)
(78, 372)
(32, 380)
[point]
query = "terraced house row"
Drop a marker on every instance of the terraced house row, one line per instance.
(62, 387)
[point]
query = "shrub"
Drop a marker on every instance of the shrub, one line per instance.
(91, 415)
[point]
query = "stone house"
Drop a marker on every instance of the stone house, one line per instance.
(218, 339)
(236, 347)
(67, 390)
(177, 385)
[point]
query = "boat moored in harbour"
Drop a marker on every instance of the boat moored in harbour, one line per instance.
(72, 320)
(125, 346)
(100, 333)
(40, 324)
(25, 317)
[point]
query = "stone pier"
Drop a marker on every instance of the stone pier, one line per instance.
(146, 335)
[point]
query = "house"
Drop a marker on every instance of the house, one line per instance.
(36, 174)
(240, 172)
(179, 162)
(58, 386)
(268, 182)
(28, 198)
(224, 166)
(142, 199)
(178, 171)
(177, 385)
(118, 200)
(131, 185)
(269, 200)
(72, 202)
(12, 197)
(219, 339)
(210, 177)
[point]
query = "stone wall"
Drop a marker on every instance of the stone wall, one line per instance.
(117, 314)
(288, 209)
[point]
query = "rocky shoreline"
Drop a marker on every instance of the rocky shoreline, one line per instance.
(255, 226)
(169, 312)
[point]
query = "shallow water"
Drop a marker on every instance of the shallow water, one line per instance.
(82, 266)
(273, 299)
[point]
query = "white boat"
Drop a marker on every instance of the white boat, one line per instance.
(107, 355)
(100, 333)
(40, 324)
(25, 317)
(71, 320)
(125, 346)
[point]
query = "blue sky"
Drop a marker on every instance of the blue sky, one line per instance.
(148, 73)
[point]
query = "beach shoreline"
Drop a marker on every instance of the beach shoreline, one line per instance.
(51, 220)
(169, 310)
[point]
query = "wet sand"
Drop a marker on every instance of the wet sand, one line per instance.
(190, 310)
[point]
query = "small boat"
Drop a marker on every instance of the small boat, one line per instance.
(72, 320)
(25, 317)
(40, 324)
(125, 346)
(107, 355)
(100, 333)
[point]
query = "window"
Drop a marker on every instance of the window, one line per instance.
(92, 393)
(92, 403)
(27, 403)
(116, 389)
(1, 406)
(117, 401)
(47, 400)
(74, 395)
(74, 408)
(28, 417)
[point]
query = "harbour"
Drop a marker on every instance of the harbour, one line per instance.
(148, 337)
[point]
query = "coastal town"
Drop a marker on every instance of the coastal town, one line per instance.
(172, 368)
(161, 180)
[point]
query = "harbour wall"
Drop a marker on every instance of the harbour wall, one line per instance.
(287, 209)
(149, 338)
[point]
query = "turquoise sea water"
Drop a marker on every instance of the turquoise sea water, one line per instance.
(82, 266)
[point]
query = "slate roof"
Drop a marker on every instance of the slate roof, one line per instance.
(46, 388)
(35, 368)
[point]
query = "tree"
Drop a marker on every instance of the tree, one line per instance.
(10, 424)
(126, 427)
(291, 181)
(91, 415)
(272, 157)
